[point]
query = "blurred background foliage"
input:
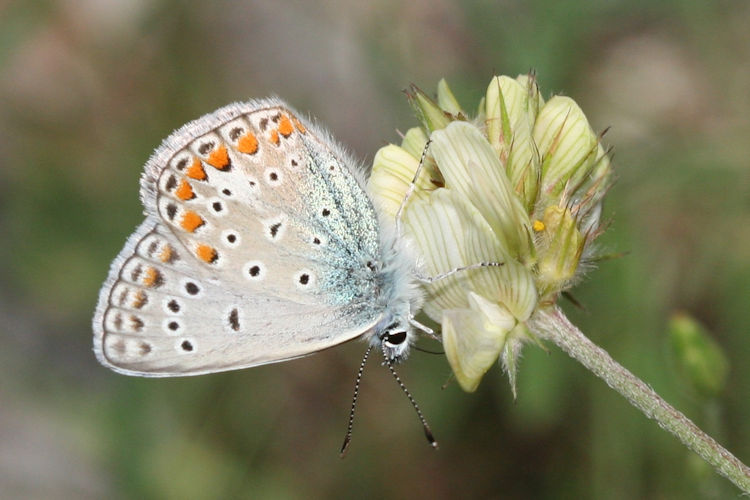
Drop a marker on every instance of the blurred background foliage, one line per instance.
(89, 87)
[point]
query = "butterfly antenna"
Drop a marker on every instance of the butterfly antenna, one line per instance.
(348, 437)
(427, 431)
(412, 187)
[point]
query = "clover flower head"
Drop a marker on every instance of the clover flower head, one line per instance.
(520, 184)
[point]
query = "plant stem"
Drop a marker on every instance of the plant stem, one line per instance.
(552, 324)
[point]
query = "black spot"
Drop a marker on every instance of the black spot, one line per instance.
(275, 229)
(118, 321)
(304, 279)
(231, 238)
(136, 273)
(205, 147)
(173, 306)
(171, 211)
(171, 183)
(235, 133)
(316, 240)
(276, 117)
(294, 162)
(152, 247)
(192, 288)
(371, 265)
(252, 183)
(273, 176)
(214, 256)
(186, 345)
(137, 323)
(332, 168)
(123, 296)
(234, 320)
(182, 164)
(226, 192)
(254, 271)
(263, 124)
(144, 348)
(326, 212)
(217, 206)
(173, 325)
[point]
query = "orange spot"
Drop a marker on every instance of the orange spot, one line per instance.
(248, 143)
(299, 125)
(285, 126)
(185, 191)
(152, 277)
(206, 253)
(140, 299)
(275, 137)
(195, 171)
(219, 158)
(167, 254)
(191, 221)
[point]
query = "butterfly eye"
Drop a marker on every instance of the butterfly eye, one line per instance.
(395, 338)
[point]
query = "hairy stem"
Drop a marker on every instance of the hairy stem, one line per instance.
(552, 324)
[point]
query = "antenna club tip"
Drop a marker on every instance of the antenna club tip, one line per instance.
(431, 438)
(344, 447)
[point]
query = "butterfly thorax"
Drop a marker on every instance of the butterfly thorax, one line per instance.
(399, 295)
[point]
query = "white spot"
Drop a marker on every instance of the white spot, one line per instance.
(274, 177)
(191, 288)
(295, 162)
(173, 326)
(217, 207)
(231, 238)
(254, 270)
(274, 228)
(111, 320)
(185, 345)
(115, 346)
(233, 130)
(181, 162)
(205, 145)
(173, 306)
(252, 183)
(226, 191)
(234, 320)
(304, 279)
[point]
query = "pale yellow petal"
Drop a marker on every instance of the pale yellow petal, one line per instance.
(392, 171)
(471, 167)
(449, 233)
(474, 337)
(443, 226)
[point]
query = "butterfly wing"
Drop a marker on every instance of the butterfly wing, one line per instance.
(258, 246)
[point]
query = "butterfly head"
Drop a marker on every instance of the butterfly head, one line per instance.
(394, 339)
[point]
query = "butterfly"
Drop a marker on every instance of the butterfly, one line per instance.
(260, 244)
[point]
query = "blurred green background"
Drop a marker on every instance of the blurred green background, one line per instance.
(89, 87)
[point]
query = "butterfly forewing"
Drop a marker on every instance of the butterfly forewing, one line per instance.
(256, 248)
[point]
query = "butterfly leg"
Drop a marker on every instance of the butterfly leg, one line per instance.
(431, 279)
(423, 328)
